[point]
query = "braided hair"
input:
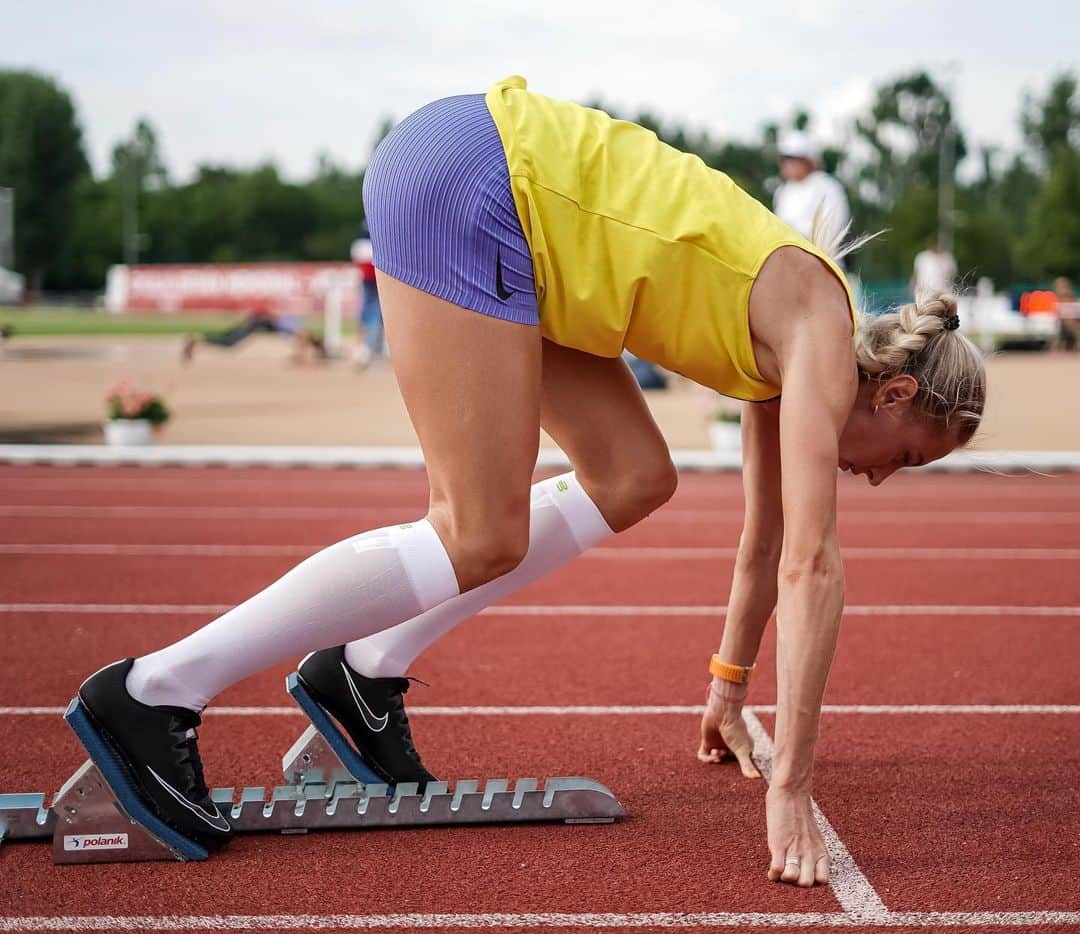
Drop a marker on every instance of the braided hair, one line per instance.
(921, 340)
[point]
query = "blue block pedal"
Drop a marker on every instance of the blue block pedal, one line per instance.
(322, 722)
(113, 773)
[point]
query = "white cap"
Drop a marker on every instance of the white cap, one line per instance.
(796, 144)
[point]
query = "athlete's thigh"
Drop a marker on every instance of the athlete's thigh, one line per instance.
(471, 384)
(595, 411)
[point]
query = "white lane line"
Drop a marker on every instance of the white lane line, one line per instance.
(301, 484)
(567, 610)
(616, 553)
(886, 554)
(1026, 920)
(893, 516)
(848, 883)
(637, 710)
(719, 610)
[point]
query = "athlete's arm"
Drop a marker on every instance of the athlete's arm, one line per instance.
(753, 587)
(819, 382)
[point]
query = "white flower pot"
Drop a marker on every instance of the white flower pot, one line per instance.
(725, 436)
(129, 432)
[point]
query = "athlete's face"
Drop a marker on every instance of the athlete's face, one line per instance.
(883, 433)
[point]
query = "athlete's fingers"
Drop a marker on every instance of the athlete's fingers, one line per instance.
(746, 763)
(776, 865)
(791, 869)
(806, 872)
(821, 870)
(711, 755)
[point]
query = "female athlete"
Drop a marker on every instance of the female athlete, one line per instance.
(521, 244)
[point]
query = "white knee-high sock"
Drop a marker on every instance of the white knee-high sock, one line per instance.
(357, 587)
(564, 522)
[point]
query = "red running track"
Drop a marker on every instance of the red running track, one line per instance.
(962, 590)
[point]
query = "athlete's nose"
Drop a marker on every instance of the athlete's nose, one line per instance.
(878, 475)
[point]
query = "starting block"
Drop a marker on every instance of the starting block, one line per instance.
(327, 788)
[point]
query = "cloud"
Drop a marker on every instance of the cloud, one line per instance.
(243, 81)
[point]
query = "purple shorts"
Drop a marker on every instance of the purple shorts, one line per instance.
(441, 214)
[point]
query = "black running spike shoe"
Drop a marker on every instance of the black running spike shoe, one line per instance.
(158, 752)
(372, 710)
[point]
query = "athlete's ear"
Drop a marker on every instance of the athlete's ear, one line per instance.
(896, 392)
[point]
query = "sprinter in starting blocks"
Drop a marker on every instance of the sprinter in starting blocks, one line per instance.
(104, 814)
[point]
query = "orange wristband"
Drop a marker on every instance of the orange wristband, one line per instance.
(736, 674)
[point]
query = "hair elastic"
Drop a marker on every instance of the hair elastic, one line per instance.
(951, 323)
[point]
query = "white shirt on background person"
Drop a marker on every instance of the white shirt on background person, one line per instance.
(795, 203)
(934, 272)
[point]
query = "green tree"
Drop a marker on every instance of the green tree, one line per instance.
(42, 158)
(336, 195)
(1052, 244)
(1053, 122)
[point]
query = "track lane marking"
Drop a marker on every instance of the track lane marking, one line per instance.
(569, 609)
(635, 710)
(892, 516)
(592, 921)
(98, 479)
(609, 553)
(847, 881)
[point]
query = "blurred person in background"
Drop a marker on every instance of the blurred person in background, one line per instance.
(521, 244)
(306, 347)
(1068, 314)
(371, 342)
(934, 269)
(806, 189)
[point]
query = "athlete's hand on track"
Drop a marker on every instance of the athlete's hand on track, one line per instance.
(793, 833)
(723, 730)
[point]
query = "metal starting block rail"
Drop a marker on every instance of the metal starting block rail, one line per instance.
(87, 823)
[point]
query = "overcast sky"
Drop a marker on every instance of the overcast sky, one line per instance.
(241, 81)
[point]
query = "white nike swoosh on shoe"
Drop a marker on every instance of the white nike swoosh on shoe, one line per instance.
(373, 722)
(215, 820)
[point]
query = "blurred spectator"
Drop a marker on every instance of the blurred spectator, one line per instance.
(369, 323)
(1068, 314)
(806, 187)
(935, 269)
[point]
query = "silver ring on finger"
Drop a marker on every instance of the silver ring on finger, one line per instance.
(792, 861)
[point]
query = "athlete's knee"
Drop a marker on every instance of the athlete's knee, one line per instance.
(652, 486)
(491, 556)
(484, 550)
(626, 496)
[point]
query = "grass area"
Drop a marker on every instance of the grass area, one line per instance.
(40, 321)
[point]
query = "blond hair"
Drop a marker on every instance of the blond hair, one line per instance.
(920, 340)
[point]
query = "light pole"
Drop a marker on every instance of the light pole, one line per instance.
(130, 212)
(947, 161)
(7, 228)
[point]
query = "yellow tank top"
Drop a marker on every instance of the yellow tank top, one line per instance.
(636, 245)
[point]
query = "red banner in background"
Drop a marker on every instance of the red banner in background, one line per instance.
(274, 288)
